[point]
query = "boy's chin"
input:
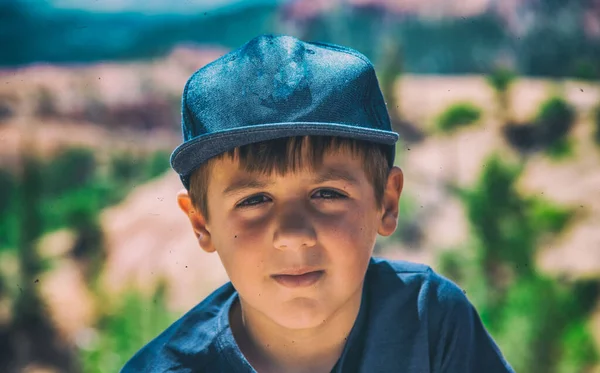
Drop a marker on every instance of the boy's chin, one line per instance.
(299, 317)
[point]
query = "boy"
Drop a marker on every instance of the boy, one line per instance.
(287, 161)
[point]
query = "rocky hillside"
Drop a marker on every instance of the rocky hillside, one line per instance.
(149, 239)
(107, 105)
(426, 165)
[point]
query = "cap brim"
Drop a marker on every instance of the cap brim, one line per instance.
(189, 155)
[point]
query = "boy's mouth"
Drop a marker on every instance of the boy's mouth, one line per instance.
(298, 278)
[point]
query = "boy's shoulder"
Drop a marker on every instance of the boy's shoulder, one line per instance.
(420, 318)
(190, 339)
(400, 276)
(400, 287)
(384, 265)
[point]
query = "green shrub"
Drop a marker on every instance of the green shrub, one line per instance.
(530, 325)
(9, 232)
(7, 191)
(495, 211)
(560, 149)
(125, 168)
(391, 67)
(75, 188)
(548, 131)
(157, 164)
(501, 79)
(585, 69)
(596, 120)
(69, 170)
(579, 350)
(69, 209)
(8, 211)
(123, 331)
(549, 217)
(458, 115)
(537, 321)
(450, 264)
(554, 120)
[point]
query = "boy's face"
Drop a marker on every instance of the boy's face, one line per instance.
(265, 229)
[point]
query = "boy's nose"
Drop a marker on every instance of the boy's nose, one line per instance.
(294, 231)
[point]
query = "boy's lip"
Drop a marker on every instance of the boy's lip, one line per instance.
(303, 279)
(296, 271)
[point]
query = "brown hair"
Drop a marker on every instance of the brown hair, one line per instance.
(280, 154)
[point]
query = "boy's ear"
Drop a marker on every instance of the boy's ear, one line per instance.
(198, 221)
(391, 197)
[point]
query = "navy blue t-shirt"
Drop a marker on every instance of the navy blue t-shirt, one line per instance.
(411, 320)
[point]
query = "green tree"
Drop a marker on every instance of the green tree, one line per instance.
(8, 219)
(554, 121)
(125, 168)
(33, 335)
(501, 80)
(458, 115)
(88, 250)
(69, 170)
(390, 73)
(157, 164)
(123, 329)
(596, 119)
(547, 131)
(532, 316)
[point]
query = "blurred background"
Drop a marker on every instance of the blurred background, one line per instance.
(497, 103)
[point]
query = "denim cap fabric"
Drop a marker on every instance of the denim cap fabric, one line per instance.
(279, 86)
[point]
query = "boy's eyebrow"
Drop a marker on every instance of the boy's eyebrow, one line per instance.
(326, 174)
(331, 174)
(244, 183)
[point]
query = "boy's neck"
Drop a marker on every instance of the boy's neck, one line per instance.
(271, 348)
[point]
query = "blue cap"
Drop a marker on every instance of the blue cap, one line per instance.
(279, 86)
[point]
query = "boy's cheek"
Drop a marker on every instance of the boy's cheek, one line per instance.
(242, 263)
(353, 225)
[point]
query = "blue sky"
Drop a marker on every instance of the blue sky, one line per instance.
(152, 6)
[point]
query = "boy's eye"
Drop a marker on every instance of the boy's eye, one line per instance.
(259, 199)
(251, 201)
(329, 194)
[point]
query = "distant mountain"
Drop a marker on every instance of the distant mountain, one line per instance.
(534, 37)
(151, 6)
(75, 36)
(435, 36)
